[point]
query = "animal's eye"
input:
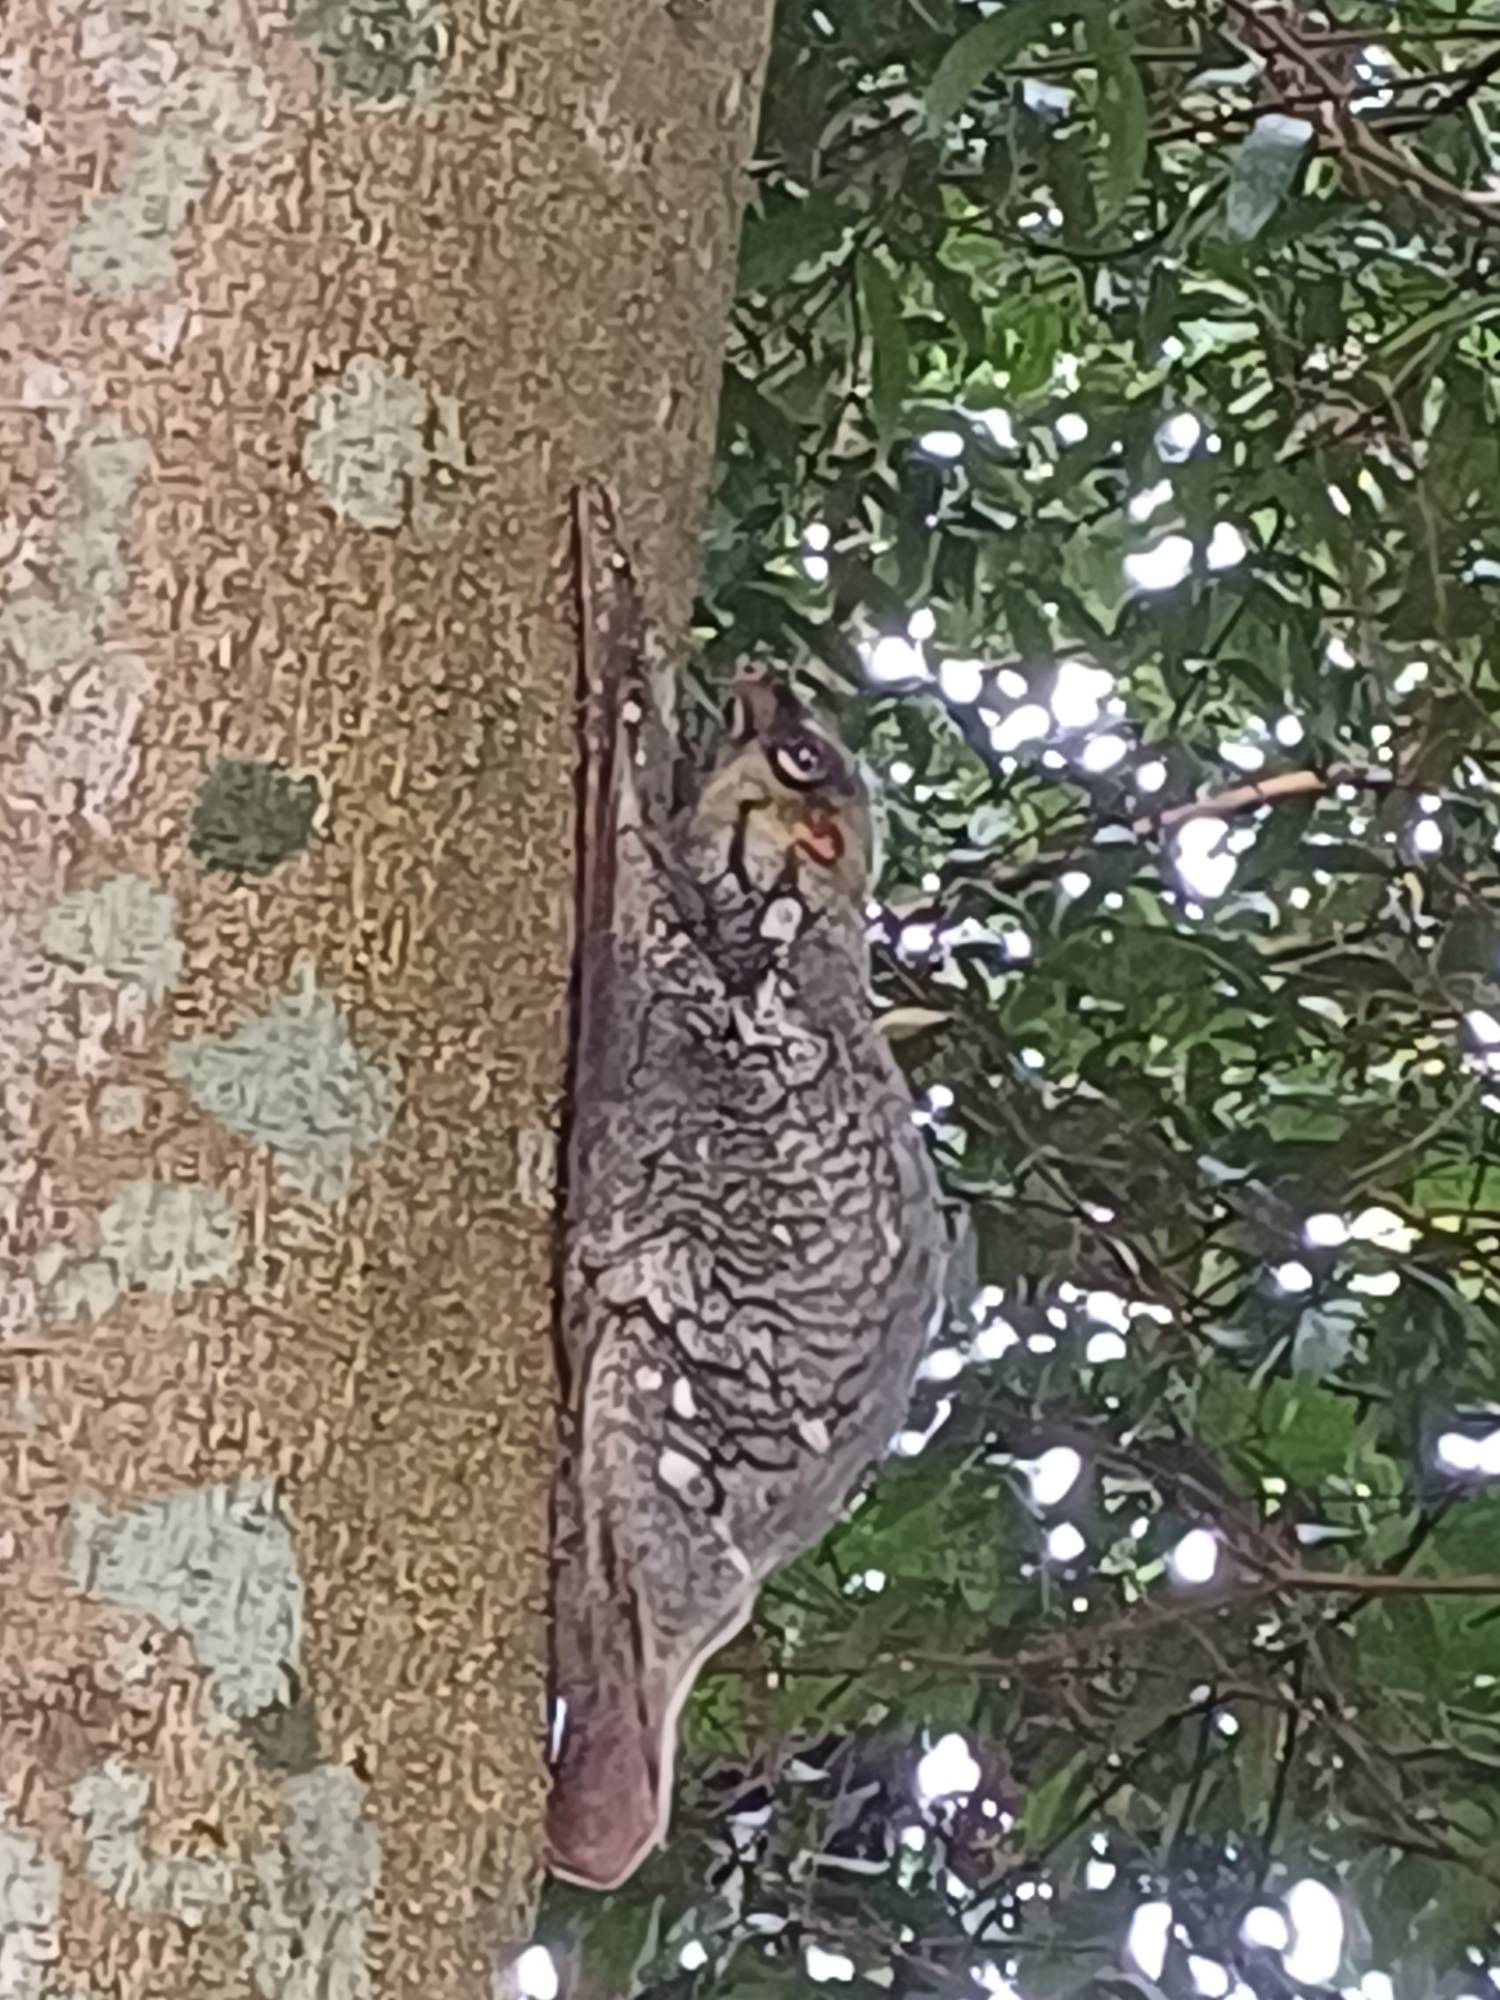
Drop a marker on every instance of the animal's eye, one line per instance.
(802, 762)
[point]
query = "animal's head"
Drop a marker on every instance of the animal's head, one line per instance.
(786, 805)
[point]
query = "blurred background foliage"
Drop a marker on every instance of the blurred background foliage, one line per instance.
(1111, 438)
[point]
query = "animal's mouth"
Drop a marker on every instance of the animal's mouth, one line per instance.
(819, 838)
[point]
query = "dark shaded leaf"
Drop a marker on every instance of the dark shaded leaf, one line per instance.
(1267, 163)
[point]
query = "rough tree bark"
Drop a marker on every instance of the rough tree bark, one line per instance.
(310, 321)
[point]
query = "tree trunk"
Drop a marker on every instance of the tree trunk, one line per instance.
(310, 324)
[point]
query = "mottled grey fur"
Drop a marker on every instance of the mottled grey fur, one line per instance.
(754, 1249)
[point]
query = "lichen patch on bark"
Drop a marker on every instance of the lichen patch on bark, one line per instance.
(124, 929)
(219, 1563)
(161, 1236)
(293, 1080)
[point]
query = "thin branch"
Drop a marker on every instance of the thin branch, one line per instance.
(1218, 805)
(1393, 1816)
(1282, 1782)
(1068, 1650)
(1465, 83)
(1117, 1780)
(1362, 146)
(1418, 1143)
(1440, 1850)
(1183, 1818)
(1359, 38)
(1358, 1583)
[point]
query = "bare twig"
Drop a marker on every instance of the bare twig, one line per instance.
(1289, 1733)
(1359, 38)
(1419, 1141)
(1361, 1583)
(1285, 786)
(1361, 145)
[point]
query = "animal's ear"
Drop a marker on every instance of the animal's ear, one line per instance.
(738, 718)
(757, 704)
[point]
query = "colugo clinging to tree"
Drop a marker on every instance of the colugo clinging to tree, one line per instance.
(754, 1248)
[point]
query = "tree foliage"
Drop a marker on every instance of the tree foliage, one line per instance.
(1144, 355)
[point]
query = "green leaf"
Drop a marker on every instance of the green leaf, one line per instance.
(1324, 1336)
(1028, 627)
(1045, 1802)
(745, 407)
(1399, 1644)
(1125, 123)
(776, 244)
(989, 45)
(1257, 1753)
(1409, 1889)
(890, 355)
(1309, 1432)
(1466, 1541)
(1468, 945)
(961, 308)
(618, 1937)
(1264, 168)
(1035, 329)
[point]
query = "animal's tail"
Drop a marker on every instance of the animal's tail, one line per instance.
(607, 1809)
